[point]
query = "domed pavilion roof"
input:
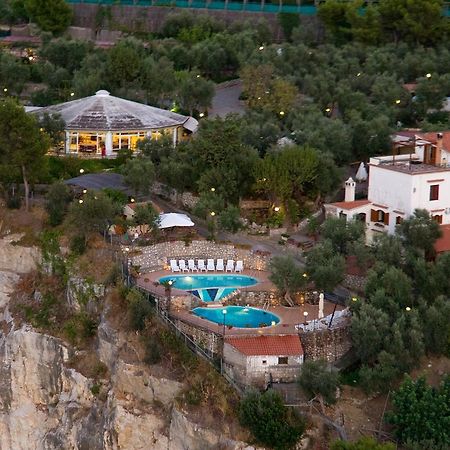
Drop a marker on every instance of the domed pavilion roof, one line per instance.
(104, 112)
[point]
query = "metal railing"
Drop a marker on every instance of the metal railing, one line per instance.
(302, 7)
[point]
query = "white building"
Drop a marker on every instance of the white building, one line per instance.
(399, 184)
(256, 360)
(102, 125)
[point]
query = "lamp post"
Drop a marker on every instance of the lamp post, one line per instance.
(126, 272)
(224, 313)
(305, 314)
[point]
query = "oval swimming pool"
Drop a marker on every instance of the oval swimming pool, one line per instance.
(238, 316)
(210, 287)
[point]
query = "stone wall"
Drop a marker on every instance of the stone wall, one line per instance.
(326, 344)
(157, 256)
(186, 199)
(210, 341)
(254, 298)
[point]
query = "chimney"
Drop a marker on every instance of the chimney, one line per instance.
(438, 156)
(350, 187)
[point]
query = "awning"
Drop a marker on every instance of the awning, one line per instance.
(170, 220)
(191, 125)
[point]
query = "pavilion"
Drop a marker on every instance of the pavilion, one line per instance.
(102, 125)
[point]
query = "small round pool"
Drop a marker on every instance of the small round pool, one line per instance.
(238, 316)
(210, 288)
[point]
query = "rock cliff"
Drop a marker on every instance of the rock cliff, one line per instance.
(45, 404)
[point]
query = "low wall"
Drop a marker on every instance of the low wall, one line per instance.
(158, 255)
(326, 344)
(254, 298)
(186, 199)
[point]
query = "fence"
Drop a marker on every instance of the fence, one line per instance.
(302, 7)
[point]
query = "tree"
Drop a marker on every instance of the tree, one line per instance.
(54, 126)
(156, 149)
(230, 219)
(421, 413)
(93, 213)
(58, 199)
(139, 310)
(124, 61)
(146, 215)
(157, 79)
(139, 174)
(269, 420)
(325, 267)
(22, 144)
(286, 276)
(193, 91)
(420, 232)
(341, 232)
(50, 15)
(364, 443)
(317, 380)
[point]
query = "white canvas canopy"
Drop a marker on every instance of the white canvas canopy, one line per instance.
(170, 220)
(361, 175)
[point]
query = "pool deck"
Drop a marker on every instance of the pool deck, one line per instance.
(147, 281)
(289, 316)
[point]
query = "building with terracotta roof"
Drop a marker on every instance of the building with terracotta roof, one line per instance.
(102, 125)
(416, 176)
(256, 360)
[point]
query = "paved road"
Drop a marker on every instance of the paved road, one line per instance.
(226, 99)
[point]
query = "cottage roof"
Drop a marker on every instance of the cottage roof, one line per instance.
(104, 112)
(287, 345)
(351, 205)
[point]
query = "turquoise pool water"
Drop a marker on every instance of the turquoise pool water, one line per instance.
(238, 316)
(210, 288)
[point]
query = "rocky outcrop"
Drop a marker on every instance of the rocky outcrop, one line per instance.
(15, 258)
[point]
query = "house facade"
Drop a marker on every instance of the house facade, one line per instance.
(102, 125)
(398, 185)
(256, 360)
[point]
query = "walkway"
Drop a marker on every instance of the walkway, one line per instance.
(226, 99)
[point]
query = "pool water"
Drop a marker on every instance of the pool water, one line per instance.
(210, 288)
(238, 316)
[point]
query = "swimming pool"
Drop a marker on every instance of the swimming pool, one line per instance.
(210, 288)
(238, 316)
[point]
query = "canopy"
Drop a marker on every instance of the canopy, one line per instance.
(174, 220)
(361, 175)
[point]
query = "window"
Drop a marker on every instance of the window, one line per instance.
(264, 361)
(438, 218)
(398, 220)
(282, 360)
(434, 192)
(379, 216)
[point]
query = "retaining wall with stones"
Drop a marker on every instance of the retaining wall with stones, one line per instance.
(326, 344)
(156, 256)
(206, 339)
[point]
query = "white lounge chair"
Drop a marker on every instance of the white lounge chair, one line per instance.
(239, 266)
(230, 266)
(219, 265)
(174, 266)
(210, 265)
(201, 265)
(191, 265)
(182, 264)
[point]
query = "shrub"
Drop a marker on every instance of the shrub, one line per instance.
(152, 350)
(13, 202)
(78, 244)
(270, 421)
(139, 310)
(58, 198)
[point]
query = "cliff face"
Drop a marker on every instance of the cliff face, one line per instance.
(46, 405)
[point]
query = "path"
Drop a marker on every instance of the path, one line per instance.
(226, 99)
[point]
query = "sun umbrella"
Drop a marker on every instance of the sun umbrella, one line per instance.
(170, 220)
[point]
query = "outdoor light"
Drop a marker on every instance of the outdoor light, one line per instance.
(261, 47)
(305, 275)
(30, 58)
(259, 98)
(84, 191)
(276, 209)
(281, 113)
(198, 76)
(328, 110)
(170, 282)
(428, 75)
(5, 90)
(201, 115)
(81, 170)
(354, 299)
(273, 323)
(80, 201)
(213, 189)
(397, 102)
(132, 200)
(212, 213)
(358, 74)
(408, 308)
(127, 249)
(72, 94)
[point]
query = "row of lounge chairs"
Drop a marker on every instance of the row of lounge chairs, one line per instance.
(181, 266)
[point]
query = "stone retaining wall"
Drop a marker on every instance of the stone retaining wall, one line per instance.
(326, 344)
(186, 199)
(210, 341)
(158, 255)
(254, 298)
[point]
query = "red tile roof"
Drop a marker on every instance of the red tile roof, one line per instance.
(432, 137)
(351, 205)
(288, 345)
(443, 243)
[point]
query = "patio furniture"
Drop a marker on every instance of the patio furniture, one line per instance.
(182, 264)
(191, 265)
(201, 265)
(210, 265)
(174, 266)
(219, 265)
(230, 266)
(239, 266)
